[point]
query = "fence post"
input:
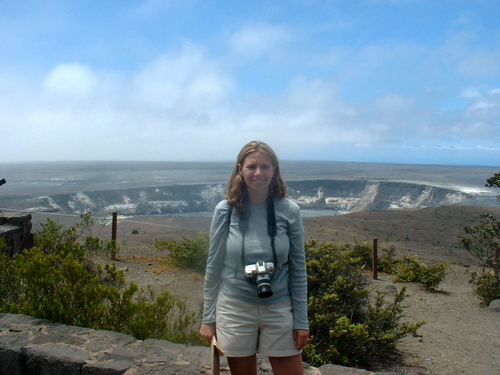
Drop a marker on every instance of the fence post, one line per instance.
(375, 259)
(113, 233)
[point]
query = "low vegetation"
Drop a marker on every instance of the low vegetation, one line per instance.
(190, 253)
(53, 281)
(349, 324)
(482, 241)
(346, 327)
(409, 269)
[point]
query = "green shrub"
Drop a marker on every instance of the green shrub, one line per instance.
(9, 282)
(77, 240)
(54, 239)
(345, 343)
(387, 262)
(3, 245)
(335, 277)
(164, 317)
(383, 322)
(405, 269)
(433, 275)
(50, 281)
(188, 253)
(410, 269)
(345, 328)
(58, 288)
(486, 286)
(483, 242)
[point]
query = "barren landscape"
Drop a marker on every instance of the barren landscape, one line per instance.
(460, 336)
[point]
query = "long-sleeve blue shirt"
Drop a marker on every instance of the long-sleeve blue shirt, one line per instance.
(225, 270)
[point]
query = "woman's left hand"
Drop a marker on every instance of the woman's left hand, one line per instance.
(301, 336)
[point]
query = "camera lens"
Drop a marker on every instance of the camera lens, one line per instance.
(264, 286)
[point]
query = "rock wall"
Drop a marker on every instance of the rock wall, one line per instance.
(15, 229)
(30, 346)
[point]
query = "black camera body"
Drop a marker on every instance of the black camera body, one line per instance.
(260, 273)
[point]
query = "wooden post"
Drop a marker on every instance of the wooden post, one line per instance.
(113, 232)
(375, 259)
(216, 354)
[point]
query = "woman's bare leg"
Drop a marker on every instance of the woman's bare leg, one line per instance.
(287, 365)
(243, 365)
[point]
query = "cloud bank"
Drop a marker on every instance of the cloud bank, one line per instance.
(294, 84)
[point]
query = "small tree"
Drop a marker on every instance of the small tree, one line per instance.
(494, 181)
(482, 241)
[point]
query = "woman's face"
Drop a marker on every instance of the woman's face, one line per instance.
(257, 171)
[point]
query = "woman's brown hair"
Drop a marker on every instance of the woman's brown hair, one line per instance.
(236, 188)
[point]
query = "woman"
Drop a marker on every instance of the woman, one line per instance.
(255, 281)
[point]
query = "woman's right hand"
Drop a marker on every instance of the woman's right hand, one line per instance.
(207, 330)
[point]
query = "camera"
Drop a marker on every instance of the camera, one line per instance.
(261, 273)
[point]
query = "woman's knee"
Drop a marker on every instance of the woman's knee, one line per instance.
(291, 365)
(243, 365)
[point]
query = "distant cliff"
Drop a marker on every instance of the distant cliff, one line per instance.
(337, 196)
(352, 196)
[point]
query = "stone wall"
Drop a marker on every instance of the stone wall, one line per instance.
(15, 229)
(30, 346)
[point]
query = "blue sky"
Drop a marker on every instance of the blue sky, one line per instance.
(396, 81)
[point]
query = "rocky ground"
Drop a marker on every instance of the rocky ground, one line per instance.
(460, 336)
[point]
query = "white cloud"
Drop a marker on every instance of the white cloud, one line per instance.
(74, 80)
(470, 93)
(257, 40)
(184, 79)
(393, 103)
(488, 99)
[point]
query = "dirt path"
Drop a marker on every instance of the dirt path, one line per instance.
(460, 336)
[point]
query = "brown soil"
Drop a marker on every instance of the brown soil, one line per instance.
(459, 337)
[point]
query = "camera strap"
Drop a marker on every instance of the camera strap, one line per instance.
(271, 228)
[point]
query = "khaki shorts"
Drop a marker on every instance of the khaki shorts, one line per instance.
(244, 329)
